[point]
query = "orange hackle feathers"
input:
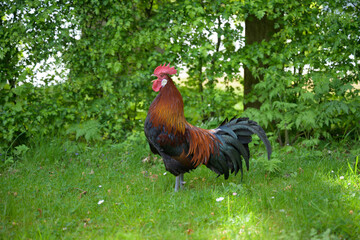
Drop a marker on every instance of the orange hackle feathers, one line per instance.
(168, 110)
(202, 144)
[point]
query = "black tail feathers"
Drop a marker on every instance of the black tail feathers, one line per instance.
(235, 135)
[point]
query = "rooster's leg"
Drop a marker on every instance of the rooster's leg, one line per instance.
(179, 183)
(182, 180)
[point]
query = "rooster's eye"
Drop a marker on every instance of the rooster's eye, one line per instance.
(163, 82)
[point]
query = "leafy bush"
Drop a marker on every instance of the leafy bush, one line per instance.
(109, 49)
(310, 69)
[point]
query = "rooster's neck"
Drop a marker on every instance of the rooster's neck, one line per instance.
(167, 109)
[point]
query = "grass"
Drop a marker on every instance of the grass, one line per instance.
(69, 190)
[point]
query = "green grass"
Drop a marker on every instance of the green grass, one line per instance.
(52, 191)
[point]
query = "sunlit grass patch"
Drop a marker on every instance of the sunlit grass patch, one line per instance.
(72, 190)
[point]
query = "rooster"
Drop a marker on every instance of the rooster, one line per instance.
(183, 146)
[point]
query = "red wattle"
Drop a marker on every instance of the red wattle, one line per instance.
(156, 85)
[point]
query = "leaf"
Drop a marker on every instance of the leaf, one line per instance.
(21, 149)
(6, 87)
(90, 130)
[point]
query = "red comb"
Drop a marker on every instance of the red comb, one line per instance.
(165, 70)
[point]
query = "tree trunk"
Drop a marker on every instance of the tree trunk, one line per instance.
(256, 30)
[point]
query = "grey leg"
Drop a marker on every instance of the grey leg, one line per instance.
(182, 180)
(177, 183)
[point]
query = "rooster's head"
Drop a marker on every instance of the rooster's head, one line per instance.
(162, 73)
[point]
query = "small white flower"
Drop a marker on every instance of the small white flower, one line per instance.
(282, 210)
(234, 193)
(349, 184)
(272, 197)
(64, 228)
(100, 202)
(332, 171)
(209, 105)
(165, 173)
(219, 199)
(341, 177)
(100, 186)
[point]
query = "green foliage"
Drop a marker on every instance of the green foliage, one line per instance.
(270, 166)
(9, 158)
(214, 106)
(310, 70)
(103, 54)
(89, 130)
(21, 150)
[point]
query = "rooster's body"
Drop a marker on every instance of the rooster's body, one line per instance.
(184, 147)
